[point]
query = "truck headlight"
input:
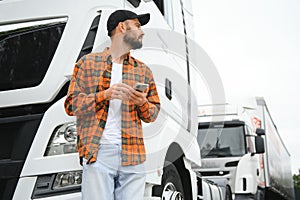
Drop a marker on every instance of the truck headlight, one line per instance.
(63, 140)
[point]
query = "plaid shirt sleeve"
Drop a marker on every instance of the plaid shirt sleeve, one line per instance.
(148, 111)
(79, 101)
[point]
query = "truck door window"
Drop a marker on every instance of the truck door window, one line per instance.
(160, 5)
(26, 52)
(166, 9)
(249, 140)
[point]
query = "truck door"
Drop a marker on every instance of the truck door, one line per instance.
(164, 51)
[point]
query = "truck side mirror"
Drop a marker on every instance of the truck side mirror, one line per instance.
(259, 144)
(260, 131)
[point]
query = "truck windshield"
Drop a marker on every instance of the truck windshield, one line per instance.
(221, 142)
(26, 53)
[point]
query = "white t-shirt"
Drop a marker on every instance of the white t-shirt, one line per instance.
(112, 130)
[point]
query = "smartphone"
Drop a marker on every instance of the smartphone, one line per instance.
(141, 87)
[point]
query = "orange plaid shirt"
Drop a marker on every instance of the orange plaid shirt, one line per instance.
(85, 100)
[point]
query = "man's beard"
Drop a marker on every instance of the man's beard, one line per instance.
(133, 42)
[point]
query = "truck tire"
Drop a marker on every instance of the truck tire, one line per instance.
(260, 194)
(172, 188)
(228, 195)
(244, 197)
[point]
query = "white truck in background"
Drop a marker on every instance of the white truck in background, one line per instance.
(40, 41)
(242, 144)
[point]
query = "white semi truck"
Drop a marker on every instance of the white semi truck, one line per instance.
(241, 143)
(40, 42)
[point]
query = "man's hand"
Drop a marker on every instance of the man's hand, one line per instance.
(117, 91)
(125, 92)
(138, 98)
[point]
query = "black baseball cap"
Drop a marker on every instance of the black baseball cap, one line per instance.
(123, 15)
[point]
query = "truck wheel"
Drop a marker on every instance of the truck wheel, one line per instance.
(228, 195)
(171, 184)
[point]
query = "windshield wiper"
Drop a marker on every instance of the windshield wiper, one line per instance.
(219, 152)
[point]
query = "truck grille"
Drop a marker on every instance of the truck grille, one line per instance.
(16, 134)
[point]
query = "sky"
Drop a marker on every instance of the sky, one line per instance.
(255, 46)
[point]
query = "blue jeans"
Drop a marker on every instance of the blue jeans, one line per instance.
(107, 179)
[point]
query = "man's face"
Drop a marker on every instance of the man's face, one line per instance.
(134, 34)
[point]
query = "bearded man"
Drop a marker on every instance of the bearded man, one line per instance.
(109, 112)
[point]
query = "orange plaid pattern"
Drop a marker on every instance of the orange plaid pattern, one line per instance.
(85, 100)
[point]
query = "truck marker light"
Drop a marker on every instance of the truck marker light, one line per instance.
(59, 183)
(67, 179)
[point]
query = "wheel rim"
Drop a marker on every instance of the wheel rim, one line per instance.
(170, 193)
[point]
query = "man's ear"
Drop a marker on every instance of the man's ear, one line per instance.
(122, 27)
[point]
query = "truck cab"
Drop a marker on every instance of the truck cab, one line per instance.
(230, 147)
(240, 142)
